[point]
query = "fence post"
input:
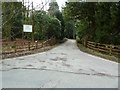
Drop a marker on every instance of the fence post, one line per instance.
(98, 47)
(36, 44)
(85, 43)
(50, 42)
(54, 41)
(29, 46)
(15, 46)
(46, 42)
(110, 50)
(42, 44)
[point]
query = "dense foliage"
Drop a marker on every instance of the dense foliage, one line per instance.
(95, 21)
(41, 24)
(12, 20)
(54, 28)
(55, 12)
(46, 24)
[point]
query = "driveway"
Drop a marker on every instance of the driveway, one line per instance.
(62, 67)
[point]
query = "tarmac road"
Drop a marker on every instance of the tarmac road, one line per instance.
(62, 67)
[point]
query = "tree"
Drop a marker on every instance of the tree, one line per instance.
(59, 16)
(107, 20)
(115, 18)
(98, 21)
(55, 12)
(12, 20)
(54, 28)
(42, 21)
(69, 28)
(53, 8)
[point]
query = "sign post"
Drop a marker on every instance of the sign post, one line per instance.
(32, 23)
(27, 28)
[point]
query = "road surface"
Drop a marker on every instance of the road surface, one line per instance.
(65, 66)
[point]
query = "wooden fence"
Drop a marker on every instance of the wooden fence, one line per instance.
(21, 45)
(104, 48)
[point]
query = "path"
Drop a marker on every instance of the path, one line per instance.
(64, 66)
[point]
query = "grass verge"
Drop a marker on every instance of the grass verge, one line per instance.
(105, 56)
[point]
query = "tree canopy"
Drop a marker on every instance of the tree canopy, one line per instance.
(12, 20)
(46, 24)
(95, 21)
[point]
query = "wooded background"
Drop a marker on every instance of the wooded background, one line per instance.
(94, 21)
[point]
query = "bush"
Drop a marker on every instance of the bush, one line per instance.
(54, 28)
(36, 35)
(78, 39)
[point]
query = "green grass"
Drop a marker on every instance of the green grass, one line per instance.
(105, 56)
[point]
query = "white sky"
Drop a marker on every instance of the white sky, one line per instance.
(38, 3)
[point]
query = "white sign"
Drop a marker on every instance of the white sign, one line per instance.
(27, 28)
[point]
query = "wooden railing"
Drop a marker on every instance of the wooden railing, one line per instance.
(20, 46)
(104, 48)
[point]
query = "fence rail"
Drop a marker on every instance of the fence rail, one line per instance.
(21, 45)
(105, 48)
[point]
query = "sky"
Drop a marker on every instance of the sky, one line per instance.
(39, 3)
(61, 2)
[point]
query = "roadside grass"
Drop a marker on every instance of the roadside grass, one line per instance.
(105, 56)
